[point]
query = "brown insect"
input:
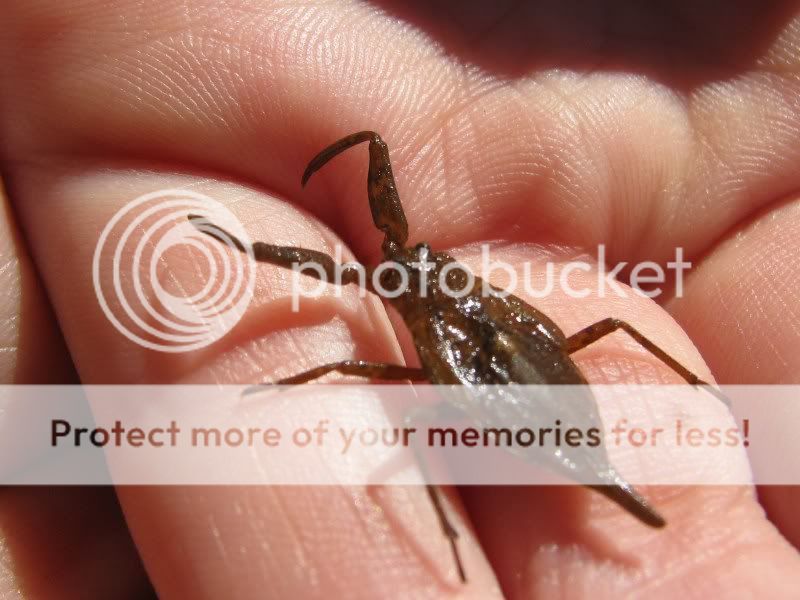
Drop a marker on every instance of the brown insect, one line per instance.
(471, 340)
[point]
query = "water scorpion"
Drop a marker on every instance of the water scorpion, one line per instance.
(473, 340)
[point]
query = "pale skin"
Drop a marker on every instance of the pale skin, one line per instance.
(643, 131)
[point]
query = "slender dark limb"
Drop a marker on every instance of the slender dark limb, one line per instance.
(384, 201)
(629, 499)
(390, 372)
(288, 257)
(592, 333)
(430, 413)
(449, 531)
(358, 368)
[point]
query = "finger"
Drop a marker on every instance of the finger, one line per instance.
(543, 540)
(749, 284)
(65, 542)
(512, 197)
(31, 347)
(621, 146)
(237, 541)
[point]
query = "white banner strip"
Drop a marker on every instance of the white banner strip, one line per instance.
(381, 434)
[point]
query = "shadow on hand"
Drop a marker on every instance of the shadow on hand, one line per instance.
(682, 43)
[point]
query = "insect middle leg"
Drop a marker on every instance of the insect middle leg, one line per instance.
(427, 413)
(594, 332)
(358, 368)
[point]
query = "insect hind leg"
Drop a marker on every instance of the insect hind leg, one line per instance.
(598, 330)
(430, 414)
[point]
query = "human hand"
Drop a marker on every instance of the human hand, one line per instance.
(558, 125)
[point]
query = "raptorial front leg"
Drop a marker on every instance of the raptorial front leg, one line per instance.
(287, 256)
(594, 332)
(384, 201)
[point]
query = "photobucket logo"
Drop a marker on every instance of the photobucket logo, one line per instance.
(574, 278)
(133, 246)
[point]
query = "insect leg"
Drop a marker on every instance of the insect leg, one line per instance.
(358, 368)
(431, 413)
(594, 332)
(285, 256)
(384, 201)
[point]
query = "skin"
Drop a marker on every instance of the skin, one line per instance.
(553, 129)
